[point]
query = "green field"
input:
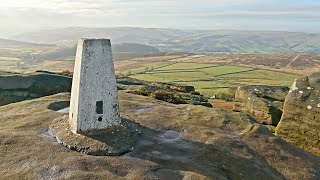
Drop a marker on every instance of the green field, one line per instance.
(209, 79)
(152, 65)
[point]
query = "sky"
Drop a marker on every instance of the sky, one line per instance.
(18, 16)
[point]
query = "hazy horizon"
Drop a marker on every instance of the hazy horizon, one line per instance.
(288, 15)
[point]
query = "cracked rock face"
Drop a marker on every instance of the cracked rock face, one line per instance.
(19, 87)
(264, 103)
(300, 122)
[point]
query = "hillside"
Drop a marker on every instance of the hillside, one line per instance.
(18, 44)
(133, 47)
(195, 41)
(70, 51)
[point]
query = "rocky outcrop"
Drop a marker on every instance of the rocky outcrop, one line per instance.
(264, 103)
(172, 93)
(176, 142)
(16, 87)
(300, 122)
(19, 87)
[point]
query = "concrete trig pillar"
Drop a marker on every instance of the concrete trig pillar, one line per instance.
(94, 100)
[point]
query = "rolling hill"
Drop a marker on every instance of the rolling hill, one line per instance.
(194, 41)
(20, 44)
(133, 47)
(64, 52)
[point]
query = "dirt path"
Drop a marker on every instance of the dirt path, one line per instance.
(294, 59)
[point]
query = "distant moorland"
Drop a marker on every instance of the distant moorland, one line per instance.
(214, 62)
(195, 41)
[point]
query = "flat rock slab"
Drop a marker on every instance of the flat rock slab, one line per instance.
(113, 141)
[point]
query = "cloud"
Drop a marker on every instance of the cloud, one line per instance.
(152, 7)
(74, 6)
(22, 15)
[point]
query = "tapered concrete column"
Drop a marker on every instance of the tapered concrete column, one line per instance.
(94, 99)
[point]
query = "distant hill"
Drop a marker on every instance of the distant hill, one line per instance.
(65, 52)
(133, 47)
(13, 43)
(56, 53)
(194, 41)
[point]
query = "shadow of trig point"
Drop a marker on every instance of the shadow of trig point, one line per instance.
(94, 100)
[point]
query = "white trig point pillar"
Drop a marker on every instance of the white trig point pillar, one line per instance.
(94, 100)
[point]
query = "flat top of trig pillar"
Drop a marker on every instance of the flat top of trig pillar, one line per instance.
(94, 39)
(104, 41)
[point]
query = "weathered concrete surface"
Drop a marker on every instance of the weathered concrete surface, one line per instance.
(19, 87)
(300, 123)
(113, 141)
(94, 99)
(177, 141)
(264, 103)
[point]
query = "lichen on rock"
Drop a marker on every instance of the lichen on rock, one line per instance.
(300, 122)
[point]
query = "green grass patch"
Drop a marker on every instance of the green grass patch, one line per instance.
(263, 77)
(149, 66)
(186, 66)
(221, 70)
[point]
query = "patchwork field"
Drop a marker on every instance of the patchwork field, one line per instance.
(210, 74)
(209, 79)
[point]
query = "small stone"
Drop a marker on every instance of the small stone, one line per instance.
(309, 107)
(318, 105)
(309, 88)
(301, 92)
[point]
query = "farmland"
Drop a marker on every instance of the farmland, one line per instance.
(208, 79)
(210, 74)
